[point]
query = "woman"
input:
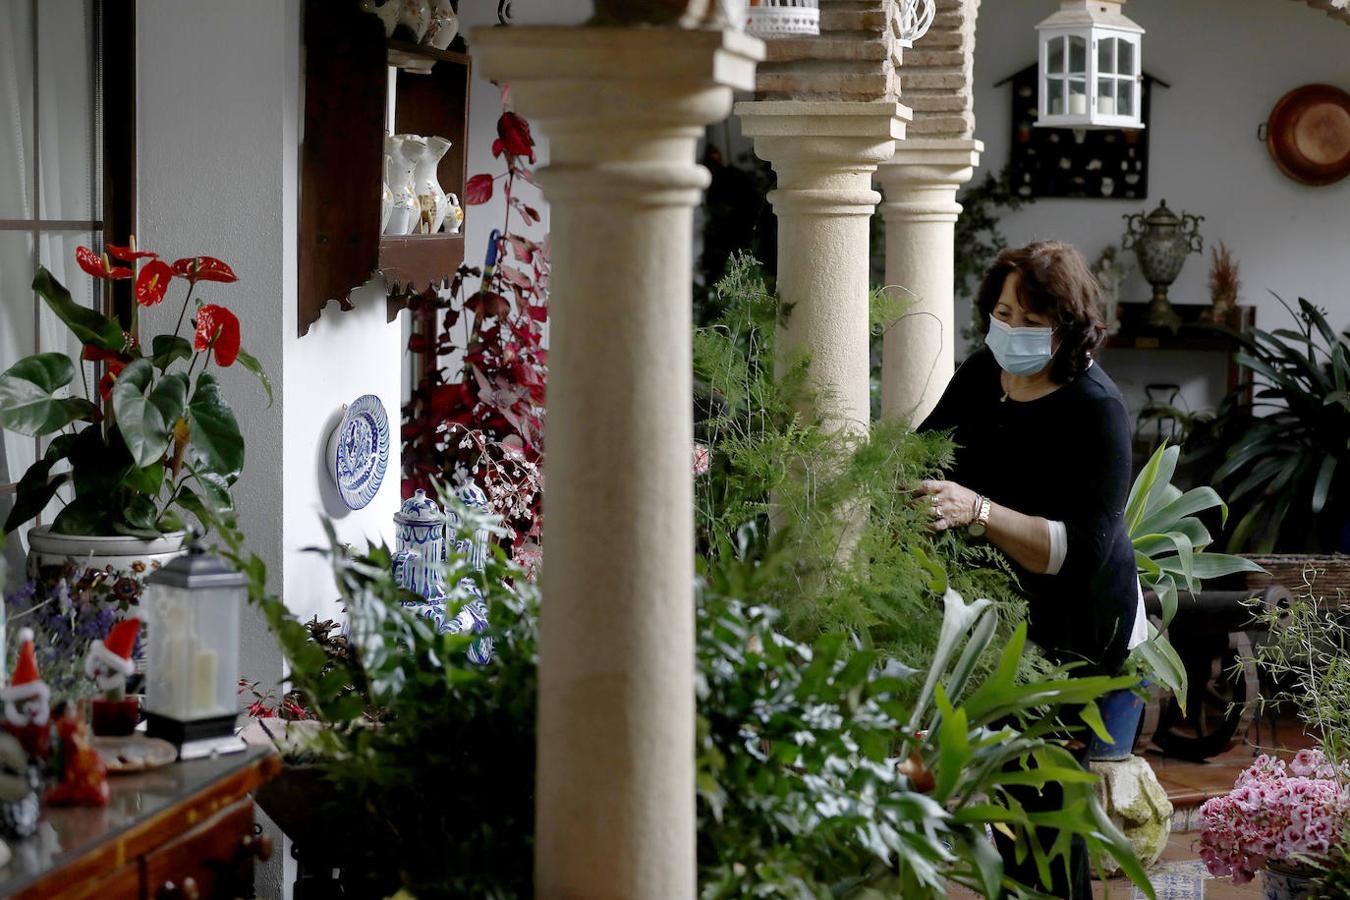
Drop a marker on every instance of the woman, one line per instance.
(1042, 470)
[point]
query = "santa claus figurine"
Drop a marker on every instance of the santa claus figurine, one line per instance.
(27, 701)
(84, 776)
(109, 663)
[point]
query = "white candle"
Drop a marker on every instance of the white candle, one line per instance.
(204, 682)
(1106, 106)
(1078, 104)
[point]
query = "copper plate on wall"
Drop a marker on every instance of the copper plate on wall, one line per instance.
(1308, 134)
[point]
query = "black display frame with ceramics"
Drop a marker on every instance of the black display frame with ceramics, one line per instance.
(1059, 162)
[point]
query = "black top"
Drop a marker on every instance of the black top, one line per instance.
(1064, 457)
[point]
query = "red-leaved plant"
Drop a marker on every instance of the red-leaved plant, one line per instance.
(154, 438)
(478, 415)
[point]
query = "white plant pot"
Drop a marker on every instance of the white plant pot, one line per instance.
(100, 551)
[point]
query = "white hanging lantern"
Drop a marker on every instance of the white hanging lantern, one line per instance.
(1091, 72)
(783, 18)
(916, 17)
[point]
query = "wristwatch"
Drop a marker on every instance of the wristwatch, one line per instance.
(981, 523)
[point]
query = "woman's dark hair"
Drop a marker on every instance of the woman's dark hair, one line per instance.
(1054, 281)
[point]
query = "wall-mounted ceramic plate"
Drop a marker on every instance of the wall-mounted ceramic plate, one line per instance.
(358, 451)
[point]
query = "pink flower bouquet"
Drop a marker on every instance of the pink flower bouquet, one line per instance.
(1291, 815)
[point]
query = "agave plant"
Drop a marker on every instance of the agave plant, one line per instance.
(1287, 442)
(1170, 549)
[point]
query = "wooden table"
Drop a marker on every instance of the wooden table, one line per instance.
(183, 831)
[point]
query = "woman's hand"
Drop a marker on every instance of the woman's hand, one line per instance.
(951, 504)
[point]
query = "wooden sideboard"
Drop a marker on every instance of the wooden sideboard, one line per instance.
(183, 832)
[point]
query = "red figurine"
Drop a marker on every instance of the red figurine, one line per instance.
(27, 712)
(84, 777)
(109, 663)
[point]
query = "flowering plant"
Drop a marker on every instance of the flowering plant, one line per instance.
(1293, 814)
(153, 438)
(68, 609)
(482, 417)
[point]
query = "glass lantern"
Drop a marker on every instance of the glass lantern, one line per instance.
(192, 607)
(1091, 73)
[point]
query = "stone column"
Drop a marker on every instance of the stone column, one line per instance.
(920, 210)
(824, 154)
(623, 110)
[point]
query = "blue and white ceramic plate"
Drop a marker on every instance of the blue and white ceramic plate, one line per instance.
(358, 451)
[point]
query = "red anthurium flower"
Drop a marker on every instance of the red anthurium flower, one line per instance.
(126, 254)
(116, 362)
(153, 282)
(203, 268)
(98, 266)
(514, 134)
(217, 327)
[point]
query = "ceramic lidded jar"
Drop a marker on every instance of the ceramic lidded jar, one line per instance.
(1161, 240)
(420, 547)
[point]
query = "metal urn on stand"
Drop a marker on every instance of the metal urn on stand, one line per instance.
(193, 606)
(1161, 240)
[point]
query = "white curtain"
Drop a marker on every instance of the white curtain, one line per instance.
(66, 142)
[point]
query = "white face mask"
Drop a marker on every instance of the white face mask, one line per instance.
(1020, 351)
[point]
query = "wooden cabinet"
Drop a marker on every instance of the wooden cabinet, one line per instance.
(347, 93)
(184, 832)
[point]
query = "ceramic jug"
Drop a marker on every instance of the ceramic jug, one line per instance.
(387, 12)
(444, 25)
(454, 214)
(415, 15)
(431, 199)
(403, 217)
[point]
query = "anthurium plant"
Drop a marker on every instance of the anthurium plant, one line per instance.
(153, 438)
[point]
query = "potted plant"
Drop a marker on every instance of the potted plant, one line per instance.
(1284, 820)
(1284, 447)
(150, 441)
(1170, 545)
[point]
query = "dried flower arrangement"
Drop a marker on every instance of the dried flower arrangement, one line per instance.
(1224, 282)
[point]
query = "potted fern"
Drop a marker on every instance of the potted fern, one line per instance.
(150, 441)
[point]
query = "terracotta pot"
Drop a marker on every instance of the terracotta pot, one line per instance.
(99, 551)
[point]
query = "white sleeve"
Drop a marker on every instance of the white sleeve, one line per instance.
(1059, 546)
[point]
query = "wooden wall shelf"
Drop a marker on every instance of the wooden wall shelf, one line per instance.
(347, 60)
(1196, 334)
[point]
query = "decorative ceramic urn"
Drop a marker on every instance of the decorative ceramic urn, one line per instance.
(1161, 240)
(420, 547)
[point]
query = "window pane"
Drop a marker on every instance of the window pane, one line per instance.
(1127, 59)
(1054, 89)
(1106, 56)
(1129, 93)
(1056, 54)
(1078, 101)
(56, 251)
(17, 339)
(67, 140)
(16, 109)
(1106, 96)
(1077, 55)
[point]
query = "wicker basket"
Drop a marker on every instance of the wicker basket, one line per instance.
(1328, 574)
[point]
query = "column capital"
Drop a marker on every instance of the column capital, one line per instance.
(622, 107)
(922, 179)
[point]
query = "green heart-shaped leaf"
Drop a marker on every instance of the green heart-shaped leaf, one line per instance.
(36, 489)
(215, 433)
(146, 410)
(146, 480)
(28, 401)
(166, 348)
(88, 325)
(86, 515)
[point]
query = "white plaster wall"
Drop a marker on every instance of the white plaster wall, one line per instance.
(1228, 61)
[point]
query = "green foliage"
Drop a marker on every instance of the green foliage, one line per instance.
(1307, 656)
(859, 556)
(799, 791)
(979, 240)
(1170, 546)
(129, 464)
(1284, 449)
